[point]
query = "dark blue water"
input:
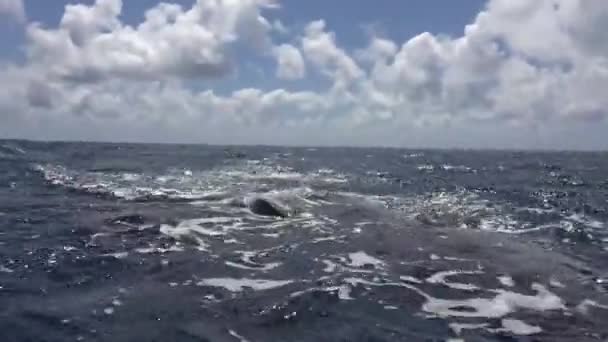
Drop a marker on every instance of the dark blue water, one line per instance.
(120, 242)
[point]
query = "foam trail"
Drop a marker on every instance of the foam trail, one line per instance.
(238, 285)
(237, 336)
(263, 267)
(441, 278)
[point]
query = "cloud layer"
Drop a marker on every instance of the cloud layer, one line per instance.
(520, 66)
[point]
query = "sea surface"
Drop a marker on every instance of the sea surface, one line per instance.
(133, 242)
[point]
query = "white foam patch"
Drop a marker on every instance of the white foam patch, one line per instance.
(343, 266)
(160, 250)
(299, 197)
(425, 167)
(210, 226)
(536, 210)
(584, 306)
(262, 267)
(271, 235)
(506, 280)
(518, 327)
(246, 256)
(586, 221)
(344, 292)
(459, 209)
(197, 229)
(325, 239)
(330, 266)
(460, 168)
(239, 285)
(556, 283)
(410, 279)
(503, 304)
(288, 175)
(237, 336)
(118, 255)
(4, 269)
(358, 281)
(441, 278)
(360, 259)
(458, 328)
(449, 258)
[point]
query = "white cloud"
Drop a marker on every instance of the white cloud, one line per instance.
(500, 71)
(521, 69)
(290, 62)
(320, 48)
(378, 50)
(91, 43)
(13, 8)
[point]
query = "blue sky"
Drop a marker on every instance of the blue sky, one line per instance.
(406, 73)
(399, 20)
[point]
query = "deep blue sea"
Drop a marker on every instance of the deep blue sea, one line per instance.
(134, 242)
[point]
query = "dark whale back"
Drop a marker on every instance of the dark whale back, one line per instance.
(264, 207)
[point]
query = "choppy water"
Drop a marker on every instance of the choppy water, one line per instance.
(117, 242)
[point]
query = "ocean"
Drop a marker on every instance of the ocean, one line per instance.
(142, 242)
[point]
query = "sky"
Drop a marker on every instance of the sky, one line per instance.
(499, 74)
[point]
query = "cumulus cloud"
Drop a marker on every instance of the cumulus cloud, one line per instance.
(92, 44)
(379, 50)
(518, 68)
(290, 62)
(518, 61)
(321, 49)
(13, 8)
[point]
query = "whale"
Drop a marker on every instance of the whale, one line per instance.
(264, 207)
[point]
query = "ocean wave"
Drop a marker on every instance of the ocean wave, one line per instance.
(229, 188)
(11, 150)
(189, 185)
(465, 209)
